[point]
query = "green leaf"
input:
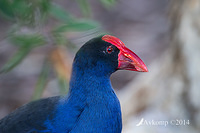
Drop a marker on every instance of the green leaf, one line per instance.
(15, 60)
(6, 8)
(19, 9)
(25, 43)
(85, 7)
(59, 39)
(42, 81)
(77, 26)
(27, 40)
(60, 13)
(45, 5)
(108, 3)
(10, 9)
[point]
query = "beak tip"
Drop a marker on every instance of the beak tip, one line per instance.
(145, 69)
(142, 69)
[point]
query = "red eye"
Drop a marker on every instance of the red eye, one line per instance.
(109, 49)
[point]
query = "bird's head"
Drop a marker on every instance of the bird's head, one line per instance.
(107, 54)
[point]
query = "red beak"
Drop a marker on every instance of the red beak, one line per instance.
(127, 59)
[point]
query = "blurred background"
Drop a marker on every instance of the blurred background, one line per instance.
(39, 38)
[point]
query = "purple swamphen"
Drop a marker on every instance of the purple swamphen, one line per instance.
(91, 105)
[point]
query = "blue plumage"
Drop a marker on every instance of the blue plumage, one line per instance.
(91, 105)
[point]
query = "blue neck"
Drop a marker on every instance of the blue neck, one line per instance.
(91, 104)
(87, 78)
(88, 81)
(96, 92)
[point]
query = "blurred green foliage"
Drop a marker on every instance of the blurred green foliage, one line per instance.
(25, 11)
(28, 19)
(42, 80)
(108, 3)
(25, 44)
